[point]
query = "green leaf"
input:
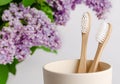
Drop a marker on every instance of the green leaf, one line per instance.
(40, 1)
(47, 49)
(17, 1)
(12, 67)
(4, 2)
(28, 2)
(33, 49)
(3, 74)
(48, 10)
(23, 22)
(2, 8)
(6, 24)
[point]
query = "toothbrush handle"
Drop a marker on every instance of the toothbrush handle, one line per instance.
(96, 60)
(82, 64)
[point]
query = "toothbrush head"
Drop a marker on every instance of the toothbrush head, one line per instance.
(104, 32)
(85, 23)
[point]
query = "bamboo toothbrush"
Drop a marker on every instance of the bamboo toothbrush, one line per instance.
(85, 33)
(102, 38)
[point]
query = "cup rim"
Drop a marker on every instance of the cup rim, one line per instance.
(62, 73)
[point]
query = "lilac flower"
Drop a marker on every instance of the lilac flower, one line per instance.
(75, 2)
(62, 9)
(101, 7)
(30, 27)
(7, 48)
(61, 18)
(7, 16)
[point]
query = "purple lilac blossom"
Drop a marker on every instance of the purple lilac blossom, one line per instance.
(7, 47)
(30, 27)
(101, 7)
(62, 9)
(75, 2)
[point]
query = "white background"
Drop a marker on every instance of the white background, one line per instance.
(30, 71)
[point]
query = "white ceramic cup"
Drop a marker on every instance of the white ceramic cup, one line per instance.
(64, 72)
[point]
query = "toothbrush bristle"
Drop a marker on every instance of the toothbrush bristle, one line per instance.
(102, 32)
(85, 22)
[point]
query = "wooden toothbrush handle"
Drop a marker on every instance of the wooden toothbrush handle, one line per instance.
(96, 60)
(82, 63)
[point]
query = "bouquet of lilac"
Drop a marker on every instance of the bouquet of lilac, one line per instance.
(27, 25)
